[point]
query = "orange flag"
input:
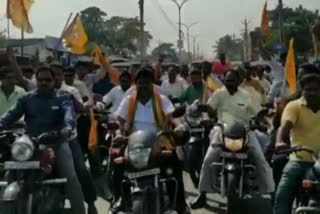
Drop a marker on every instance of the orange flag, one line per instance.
(75, 36)
(265, 21)
(17, 11)
(99, 58)
(291, 68)
(93, 135)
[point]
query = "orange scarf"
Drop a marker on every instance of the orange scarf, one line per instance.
(158, 113)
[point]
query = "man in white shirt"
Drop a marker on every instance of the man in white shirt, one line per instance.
(70, 80)
(144, 115)
(143, 118)
(173, 86)
(116, 95)
(232, 104)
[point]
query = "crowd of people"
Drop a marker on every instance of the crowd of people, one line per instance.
(56, 97)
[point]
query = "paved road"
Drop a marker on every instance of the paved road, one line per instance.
(213, 202)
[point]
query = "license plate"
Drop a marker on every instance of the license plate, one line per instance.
(13, 165)
(241, 156)
(197, 130)
(144, 173)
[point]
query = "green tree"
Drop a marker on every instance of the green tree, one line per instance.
(166, 49)
(229, 45)
(93, 20)
(296, 24)
(123, 35)
(119, 35)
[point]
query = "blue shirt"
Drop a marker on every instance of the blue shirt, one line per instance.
(42, 113)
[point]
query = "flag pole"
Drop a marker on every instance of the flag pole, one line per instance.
(64, 29)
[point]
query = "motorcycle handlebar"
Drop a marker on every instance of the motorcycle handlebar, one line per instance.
(294, 149)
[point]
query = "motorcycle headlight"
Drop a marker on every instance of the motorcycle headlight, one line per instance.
(234, 145)
(22, 149)
(139, 158)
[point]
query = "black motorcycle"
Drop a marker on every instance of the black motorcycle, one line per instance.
(196, 147)
(149, 185)
(29, 185)
(236, 171)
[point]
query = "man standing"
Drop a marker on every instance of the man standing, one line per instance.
(300, 120)
(116, 94)
(9, 92)
(44, 111)
(173, 86)
(78, 159)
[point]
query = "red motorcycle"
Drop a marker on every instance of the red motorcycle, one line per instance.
(29, 185)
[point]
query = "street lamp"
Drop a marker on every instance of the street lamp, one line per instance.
(180, 5)
(188, 35)
(194, 44)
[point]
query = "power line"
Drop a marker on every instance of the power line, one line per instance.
(165, 15)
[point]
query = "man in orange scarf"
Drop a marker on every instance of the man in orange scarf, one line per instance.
(147, 110)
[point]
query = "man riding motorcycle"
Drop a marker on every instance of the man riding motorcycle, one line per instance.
(231, 104)
(147, 110)
(300, 120)
(45, 111)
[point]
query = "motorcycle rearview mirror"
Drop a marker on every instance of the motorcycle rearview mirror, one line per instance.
(179, 112)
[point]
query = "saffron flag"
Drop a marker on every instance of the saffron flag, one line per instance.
(17, 11)
(213, 83)
(291, 68)
(93, 135)
(75, 36)
(99, 58)
(265, 21)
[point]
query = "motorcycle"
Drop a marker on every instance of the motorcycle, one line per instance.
(237, 173)
(196, 147)
(308, 197)
(147, 158)
(29, 185)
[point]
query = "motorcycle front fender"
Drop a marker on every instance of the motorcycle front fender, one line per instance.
(11, 192)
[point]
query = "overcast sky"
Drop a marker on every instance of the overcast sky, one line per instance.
(216, 17)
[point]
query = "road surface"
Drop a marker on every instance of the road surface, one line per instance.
(215, 204)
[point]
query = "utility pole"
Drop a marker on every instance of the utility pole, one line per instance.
(280, 20)
(188, 36)
(246, 40)
(142, 40)
(194, 38)
(180, 5)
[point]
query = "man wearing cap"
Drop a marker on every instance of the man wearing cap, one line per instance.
(196, 90)
(146, 110)
(300, 120)
(116, 94)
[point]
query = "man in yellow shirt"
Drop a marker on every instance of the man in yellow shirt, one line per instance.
(300, 120)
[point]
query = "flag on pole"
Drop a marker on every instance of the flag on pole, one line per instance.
(17, 11)
(265, 21)
(98, 55)
(291, 68)
(75, 37)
